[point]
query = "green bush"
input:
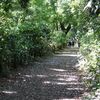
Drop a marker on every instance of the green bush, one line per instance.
(58, 40)
(20, 45)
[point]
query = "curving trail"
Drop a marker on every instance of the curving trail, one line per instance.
(51, 78)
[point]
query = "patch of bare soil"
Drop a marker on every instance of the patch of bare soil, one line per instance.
(52, 78)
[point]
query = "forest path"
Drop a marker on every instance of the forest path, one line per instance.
(51, 78)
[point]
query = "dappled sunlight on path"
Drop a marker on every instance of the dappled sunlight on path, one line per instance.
(52, 78)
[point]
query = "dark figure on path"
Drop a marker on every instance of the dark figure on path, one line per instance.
(69, 43)
(78, 44)
(72, 42)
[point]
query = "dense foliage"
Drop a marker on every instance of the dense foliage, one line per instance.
(28, 29)
(31, 28)
(90, 48)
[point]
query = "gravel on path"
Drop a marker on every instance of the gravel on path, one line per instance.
(51, 78)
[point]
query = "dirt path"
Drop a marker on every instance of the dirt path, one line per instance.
(52, 78)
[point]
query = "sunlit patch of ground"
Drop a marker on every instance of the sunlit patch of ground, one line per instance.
(42, 76)
(8, 92)
(67, 99)
(59, 70)
(70, 55)
(28, 76)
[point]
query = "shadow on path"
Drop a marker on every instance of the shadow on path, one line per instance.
(53, 78)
